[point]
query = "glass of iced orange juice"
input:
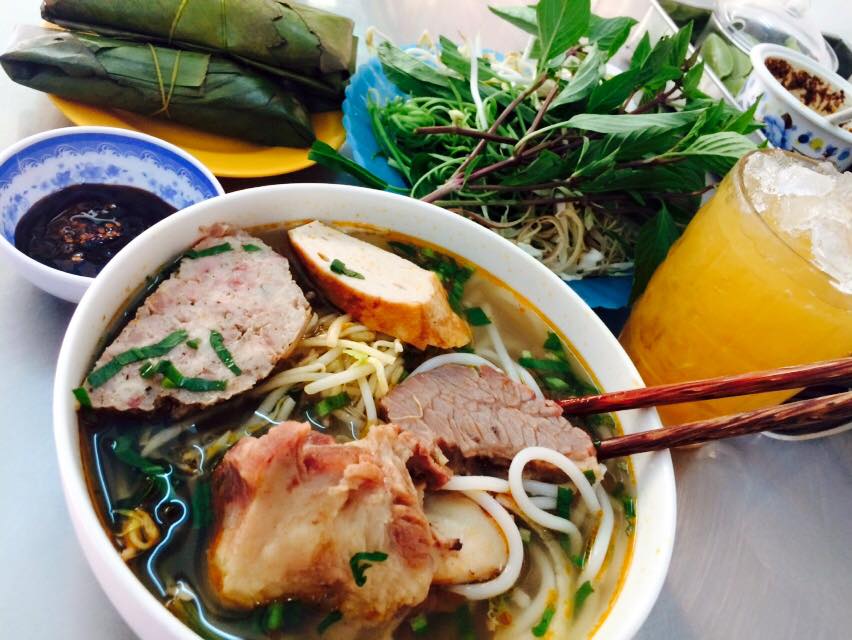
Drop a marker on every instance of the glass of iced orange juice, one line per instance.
(761, 278)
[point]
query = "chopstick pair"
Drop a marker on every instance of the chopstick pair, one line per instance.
(794, 415)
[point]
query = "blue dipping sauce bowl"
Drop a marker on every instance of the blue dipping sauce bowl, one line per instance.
(48, 162)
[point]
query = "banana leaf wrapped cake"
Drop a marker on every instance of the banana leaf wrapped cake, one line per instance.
(200, 89)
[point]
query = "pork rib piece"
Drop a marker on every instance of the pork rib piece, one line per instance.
(241, 289)
(480, 418)
(293, 508)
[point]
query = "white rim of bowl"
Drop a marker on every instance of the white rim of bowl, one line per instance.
(758, 57)
(87, 523)
(72, 279)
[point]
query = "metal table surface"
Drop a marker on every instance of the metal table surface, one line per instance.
(764, 527)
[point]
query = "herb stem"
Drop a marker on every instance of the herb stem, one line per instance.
(470, 133)
(538, 117)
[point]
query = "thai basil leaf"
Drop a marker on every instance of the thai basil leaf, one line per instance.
(655, 239)
(561, 24)
(609, 34)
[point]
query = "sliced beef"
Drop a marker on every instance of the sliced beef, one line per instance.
(245, 293)
(385, 292)
(480, 418)
(293, 507)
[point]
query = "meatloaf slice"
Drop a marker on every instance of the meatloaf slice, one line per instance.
(481, 419)
(231, 285)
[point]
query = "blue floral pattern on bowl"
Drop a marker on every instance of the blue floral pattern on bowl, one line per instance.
(49, 165)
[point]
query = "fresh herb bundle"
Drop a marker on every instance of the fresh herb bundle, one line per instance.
(590, 173)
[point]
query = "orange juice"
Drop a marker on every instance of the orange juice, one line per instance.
(761, 278)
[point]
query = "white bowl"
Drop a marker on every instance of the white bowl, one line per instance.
(655, 521)
(46, 162)
(787, 123)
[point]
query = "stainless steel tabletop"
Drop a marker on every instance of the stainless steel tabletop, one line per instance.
(764, 541)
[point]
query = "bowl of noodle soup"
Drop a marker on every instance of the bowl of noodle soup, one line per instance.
(533, 317)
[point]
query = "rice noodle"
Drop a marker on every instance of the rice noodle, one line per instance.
(533, 609)
(477, 483)
(506, 362)
(546, 503)
(527, 378)
(539, 515)
(600, 546)
(509, 576)
(466, 359)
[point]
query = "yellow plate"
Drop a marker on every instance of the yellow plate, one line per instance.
(226, 157)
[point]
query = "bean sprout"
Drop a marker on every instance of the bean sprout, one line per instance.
(600, 545)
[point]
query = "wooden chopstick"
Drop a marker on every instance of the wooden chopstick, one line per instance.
(792, 415)
(758, 382)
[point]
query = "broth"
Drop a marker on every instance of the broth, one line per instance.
(174, 568)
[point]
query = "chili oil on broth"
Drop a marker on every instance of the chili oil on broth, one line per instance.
(177, 561)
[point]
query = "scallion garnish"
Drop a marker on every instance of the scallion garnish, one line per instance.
(174, 379)
(464, 623)
(554, 344)
(332, 403)
(546, 365)
(194, 254)
(82, 397)
(251, 247)
(476, 317)
(362, 561)
(332, 618)
(202, 505)
(557, 384)
(590, 476)
(273, 617)
(541, 628)
(451, 274)
(218, 344)
(564, 497)
(337, 266)
(102, 374)
(193, 344)
(148, 369)
(579, 560)
(419, 623)
(583, 592)
(629, 507)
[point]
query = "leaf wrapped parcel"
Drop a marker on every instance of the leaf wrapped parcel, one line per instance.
(204, 91)
(308, 47)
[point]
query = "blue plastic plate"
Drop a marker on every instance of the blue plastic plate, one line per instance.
(370, 84)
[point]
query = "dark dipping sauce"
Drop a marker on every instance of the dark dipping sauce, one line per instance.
(80, 228)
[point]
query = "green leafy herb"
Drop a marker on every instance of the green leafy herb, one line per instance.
(218, 344)
(561, 23)
(328, 156)
(652, 246)
(332, 618)
(202, 505)
(477, 317)
(338, 267)
(541, 627)
(101, 375)
(332, 403)
(419, 623)
(194, 343)
(582, 593)
(82, 397)
(216, 249)
(362, 561)
(251, 248)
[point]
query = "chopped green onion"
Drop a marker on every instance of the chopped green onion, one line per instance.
(583, 592)
(408, 250)
(194, 254)
(332, 618)
(274, 616)
(148, 369)
(464, 623)
(564, 497)
(476, 317)
(174, 379)
(557, 384)
(251, 247)
(193, 344)
(553, 343)
(629, 507)
(124, 451)
(82, 397)
(541, 628)
(419, 623)
(202, 501)
(218, 344)
(465, 349)
(332, 403)
(590, 476)
(362, 561)
(579, 560)
(546, 366)
(101, 375)
(338, 267)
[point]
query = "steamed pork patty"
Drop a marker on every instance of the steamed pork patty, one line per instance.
(219, 324)
(383, 291)
(300, 516)
(480, 418)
